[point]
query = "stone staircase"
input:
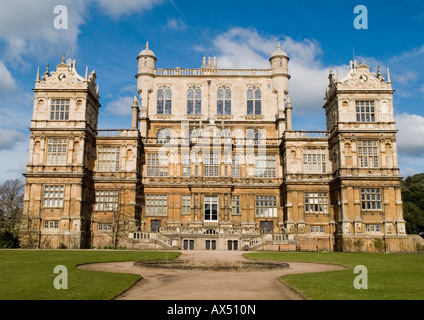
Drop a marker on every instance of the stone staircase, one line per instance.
(164, 241)
(150, 240)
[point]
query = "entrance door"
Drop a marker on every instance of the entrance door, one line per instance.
(188, 244)
(154, 225)
(267, 226)
(210, 244)
(211, 208)
(232, 245)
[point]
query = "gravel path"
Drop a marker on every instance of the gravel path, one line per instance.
(162, 284)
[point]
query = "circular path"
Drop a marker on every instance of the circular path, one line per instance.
(163, 284)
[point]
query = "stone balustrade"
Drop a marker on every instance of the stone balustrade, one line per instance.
(213, 72)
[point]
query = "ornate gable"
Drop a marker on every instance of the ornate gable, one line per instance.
(359, 78)
(67, 77)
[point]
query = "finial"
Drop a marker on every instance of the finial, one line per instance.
(388, 76)
(38, 74)
(331, 68)
(135, 103)
(86, 73)
(278, 45)
(288, 103)
(147, 45)
(63, 58)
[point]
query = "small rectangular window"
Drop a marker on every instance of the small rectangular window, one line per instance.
(314, 161)
(368, 154)
(52, 224)
(211, 164)
(186, 205)
(235, 205)
(59, 109)
(365, 111)
(266, 206)
(265, 166)
(56, 151)
(108, 158)
(106, 200)
(156, 205)
(157, 165)
(53, 196)
(371, 199)
(316, 202)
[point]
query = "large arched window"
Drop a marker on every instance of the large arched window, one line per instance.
(194, 100)
(164, 100)
(223, 98)
(254, 100)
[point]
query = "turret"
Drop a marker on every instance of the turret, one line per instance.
(145, 76)
(280, 77)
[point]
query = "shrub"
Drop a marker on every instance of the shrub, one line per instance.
(62, 246)
(8, 240)
(347, 245)
(358, 243)
(380, 245)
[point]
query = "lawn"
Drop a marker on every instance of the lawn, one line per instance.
(390, 276)
(28, 274)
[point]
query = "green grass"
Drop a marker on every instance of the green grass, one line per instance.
(390, 276)
(28, 274)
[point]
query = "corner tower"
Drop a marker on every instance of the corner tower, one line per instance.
(59, 176)
(365, 189)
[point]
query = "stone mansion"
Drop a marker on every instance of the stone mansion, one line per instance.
(211, 162)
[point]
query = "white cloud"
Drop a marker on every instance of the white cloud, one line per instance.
(406, 77)
(407, 55)
(7, 82)
(116, 8)
(9, 138)
(246, 48)
(27, 28)
(176, 24)
(410, 138)
(120, 106)
(13, 161)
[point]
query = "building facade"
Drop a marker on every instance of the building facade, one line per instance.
(211, 162)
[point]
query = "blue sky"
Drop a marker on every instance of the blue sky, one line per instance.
(107, 35)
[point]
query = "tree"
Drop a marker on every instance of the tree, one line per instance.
(380, 245)
(11, 204)
(11, 208)
(413, 203)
